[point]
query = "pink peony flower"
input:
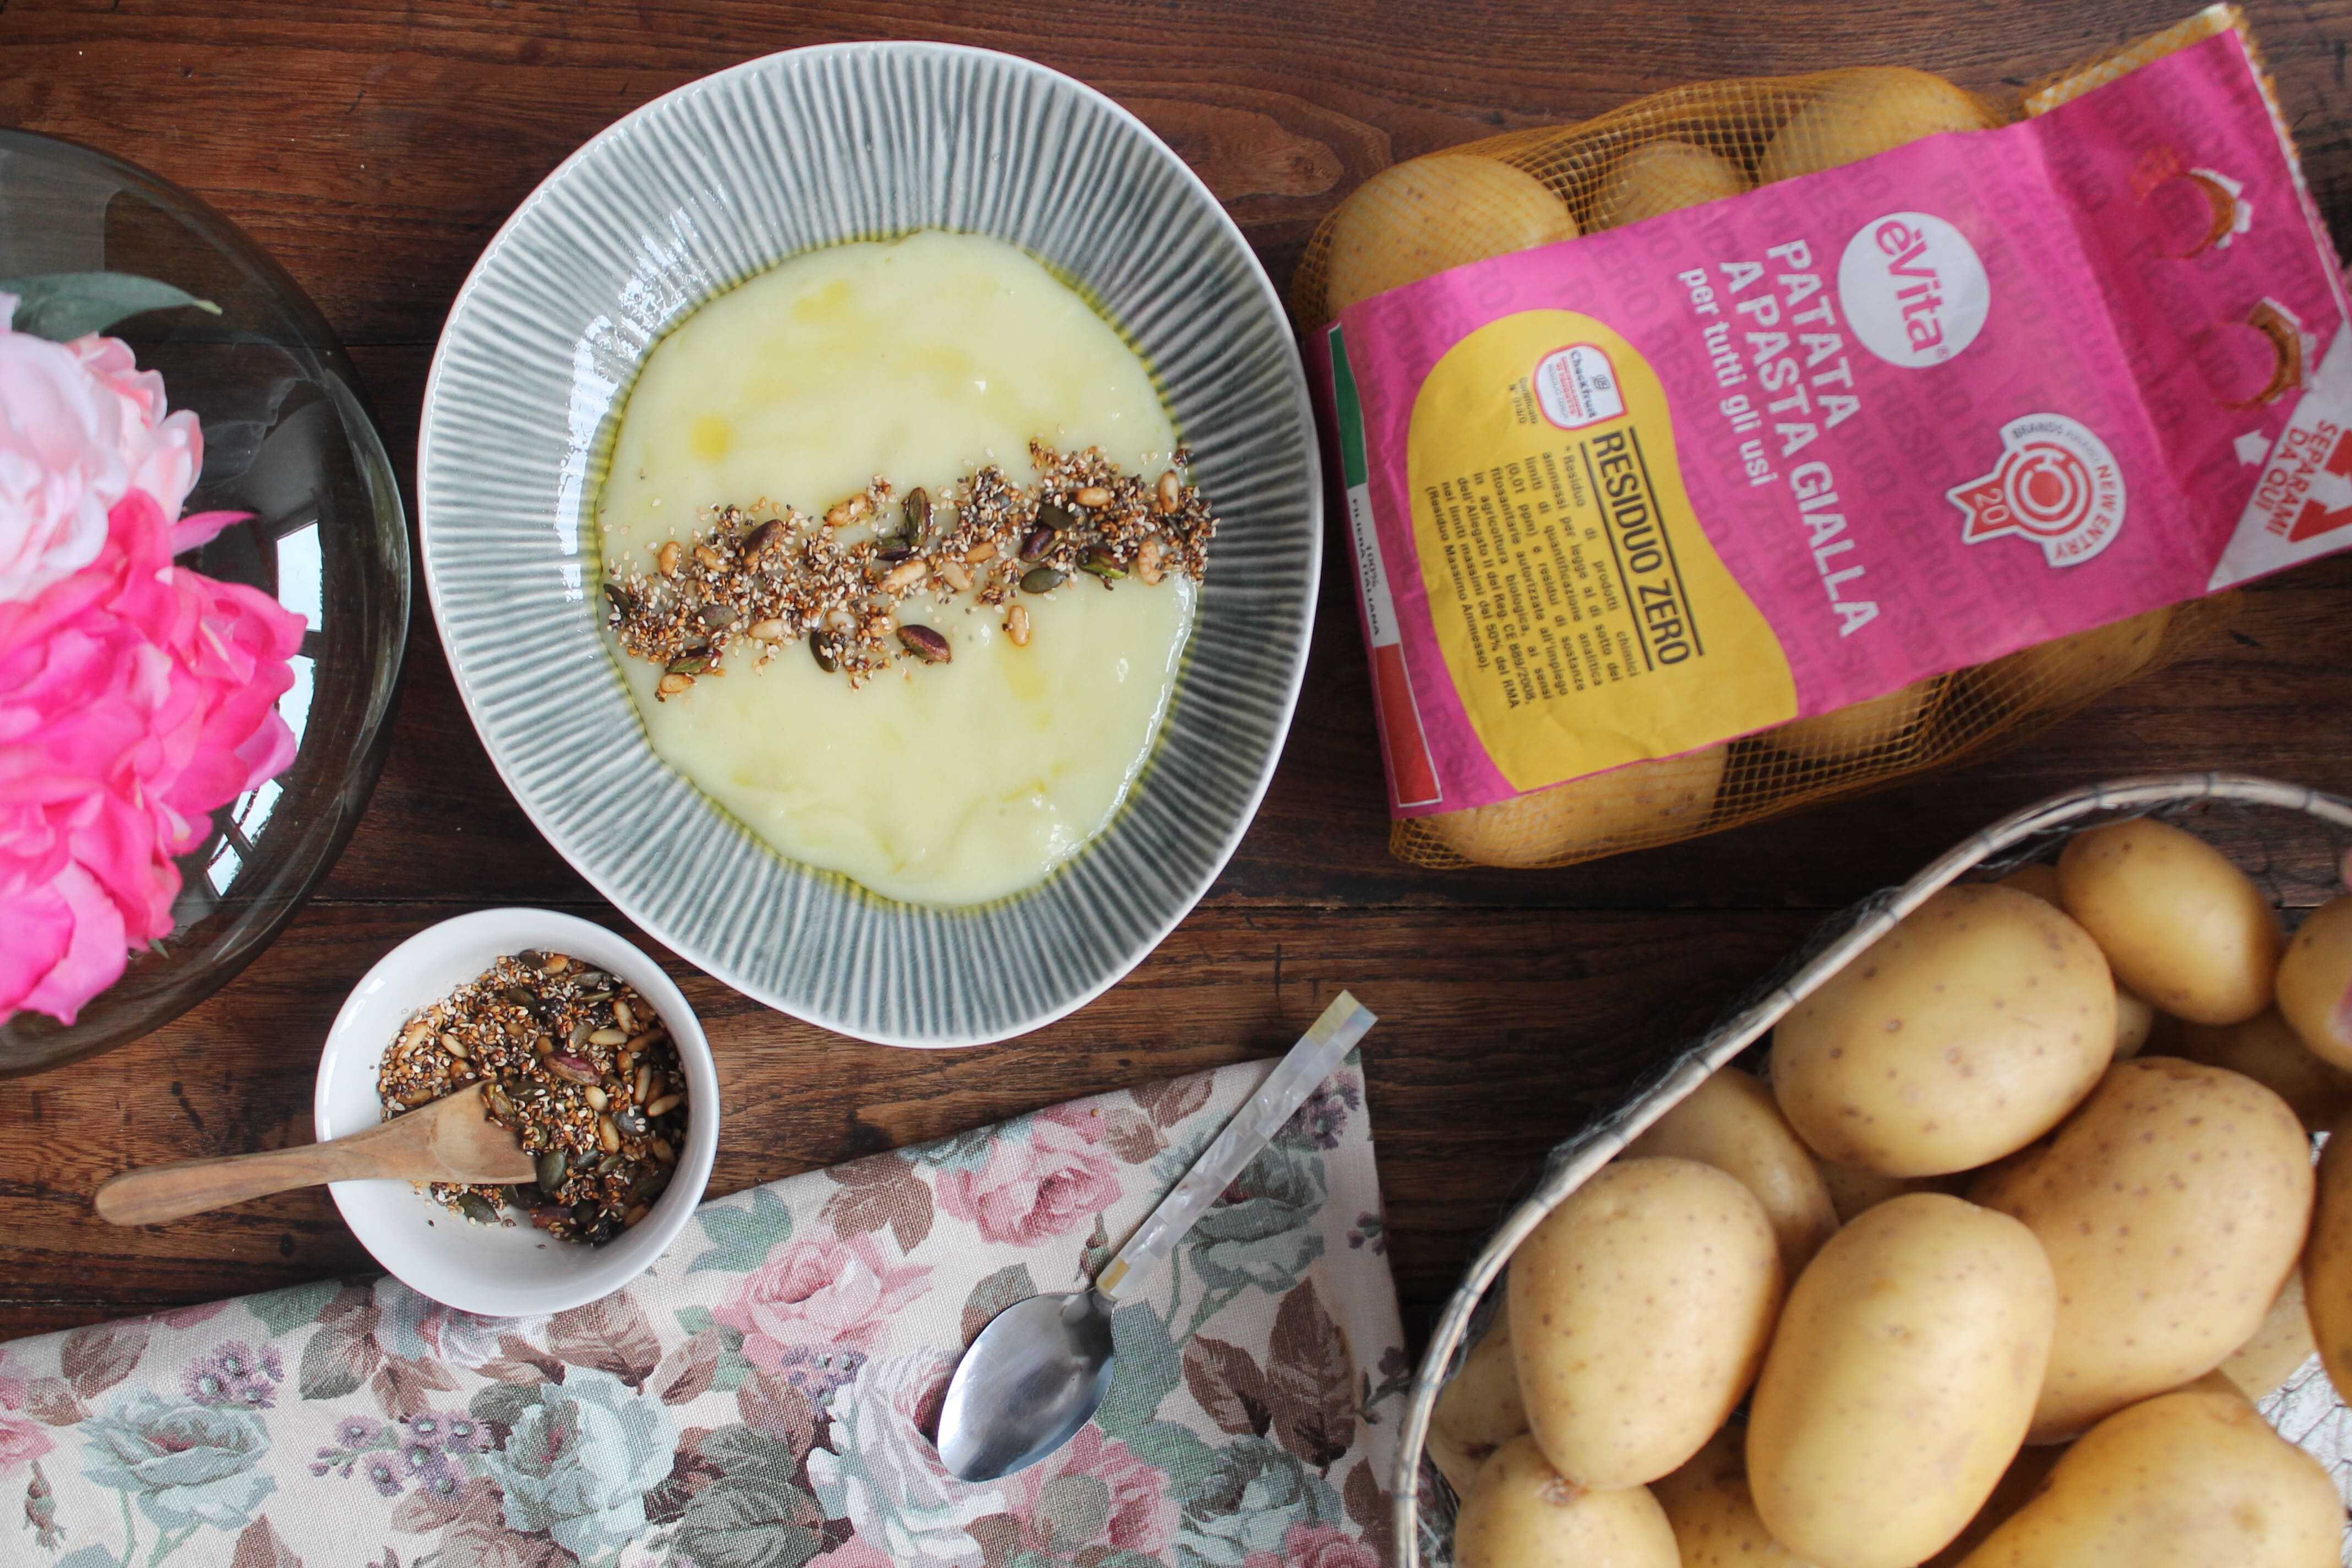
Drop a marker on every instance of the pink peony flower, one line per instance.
(21, 1442)
(821, 1294)
(80, 425)
(1316, 1546)
(1143, 1517)
(135, 696)
(1045, 1184)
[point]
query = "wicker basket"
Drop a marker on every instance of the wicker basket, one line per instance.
(2306, 1409)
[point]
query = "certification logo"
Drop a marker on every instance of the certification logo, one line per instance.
(1577, 385)
(1914, 288)
(2056, 484)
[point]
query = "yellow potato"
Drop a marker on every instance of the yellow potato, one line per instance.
(2328, 1259)
(2314, 982)
(1854, 731)
(1520, 1513)
(2179, 923)
(2268, 1050)
(2172, 1206)
(2135, 1021)
(1640, 1308)
(1478, 1410)
(1731, 1123)
(2191, 1480)
(1636, 801)
(1867, 111)
(1900, 1383)
(1965, 1032)
(2038, 877)
(2070, 669)
(1852, 1191)
(2018, 1485)
(1663, 176)
(2282, 1344)
(1416, 220)
(1715, 1520)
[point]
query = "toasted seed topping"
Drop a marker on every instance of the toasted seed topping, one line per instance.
(761, 576)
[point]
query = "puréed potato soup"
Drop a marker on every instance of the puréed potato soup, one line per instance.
(942, 698)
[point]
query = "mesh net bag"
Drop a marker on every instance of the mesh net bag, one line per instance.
(1660, 153)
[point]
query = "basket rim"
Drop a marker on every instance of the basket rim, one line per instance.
(1573, 1162)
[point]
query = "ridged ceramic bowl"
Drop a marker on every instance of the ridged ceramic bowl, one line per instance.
(685, 198)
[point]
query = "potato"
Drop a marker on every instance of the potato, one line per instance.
(1731, 1123)
(2280, 1345)
(1713, 1519)
(2018, 1485)
(2328, 1259)
(1867, 110)
(2135, 1021)
(2172, 1206)
(2038, 877)
(1852, 1191)
(1415, 219)
(2179, 923)
(1852, 731)
(1900, 1383)
(1479, 1409)
(1663, 176)
(2070, 669)
(2266, 1048)
(1520, 1513)
(2314, 982)
(1639, 800)
(2191, 1480)
(1640, 1308)
(1966, 1032)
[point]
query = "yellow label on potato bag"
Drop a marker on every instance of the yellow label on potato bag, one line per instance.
(1582, 614)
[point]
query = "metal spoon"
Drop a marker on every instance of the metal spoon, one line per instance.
(1040, 1368)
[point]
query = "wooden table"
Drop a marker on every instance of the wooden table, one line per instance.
(374, 145)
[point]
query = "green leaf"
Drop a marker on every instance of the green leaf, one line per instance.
(283, 1311)
(88, 1557)
(503, 1402)
(694, 1319)
(1176, 1448)
(745, 1451)
(64, 305)
(745, 1521)
(741, 1239)
(1148, 1367)
(1009, 1284)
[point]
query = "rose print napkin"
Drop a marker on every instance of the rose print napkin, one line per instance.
(760, 1398)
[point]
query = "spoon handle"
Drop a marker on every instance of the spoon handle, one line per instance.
(1325, 1045)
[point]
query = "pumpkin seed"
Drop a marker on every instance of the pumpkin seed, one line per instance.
(1042, 580)
(552, 1168)
(478, 1208)
(821, 649)
(530, 958)
(1053, 517)
(917, 511)
(926, 645)
(624, 603)
(689, 664)
(1101, 563)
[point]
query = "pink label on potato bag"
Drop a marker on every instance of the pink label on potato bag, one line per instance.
(1976, 393)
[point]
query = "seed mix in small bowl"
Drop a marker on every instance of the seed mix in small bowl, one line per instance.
(578, 1065)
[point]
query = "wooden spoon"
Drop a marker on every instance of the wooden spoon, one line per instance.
(448, 1140)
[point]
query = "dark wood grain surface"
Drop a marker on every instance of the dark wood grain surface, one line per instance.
(374, 145)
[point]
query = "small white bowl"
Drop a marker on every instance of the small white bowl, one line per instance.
(502, 1271)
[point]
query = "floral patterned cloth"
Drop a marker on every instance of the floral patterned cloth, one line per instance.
(760, 1398)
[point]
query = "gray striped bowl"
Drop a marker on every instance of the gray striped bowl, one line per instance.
(694, 192)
